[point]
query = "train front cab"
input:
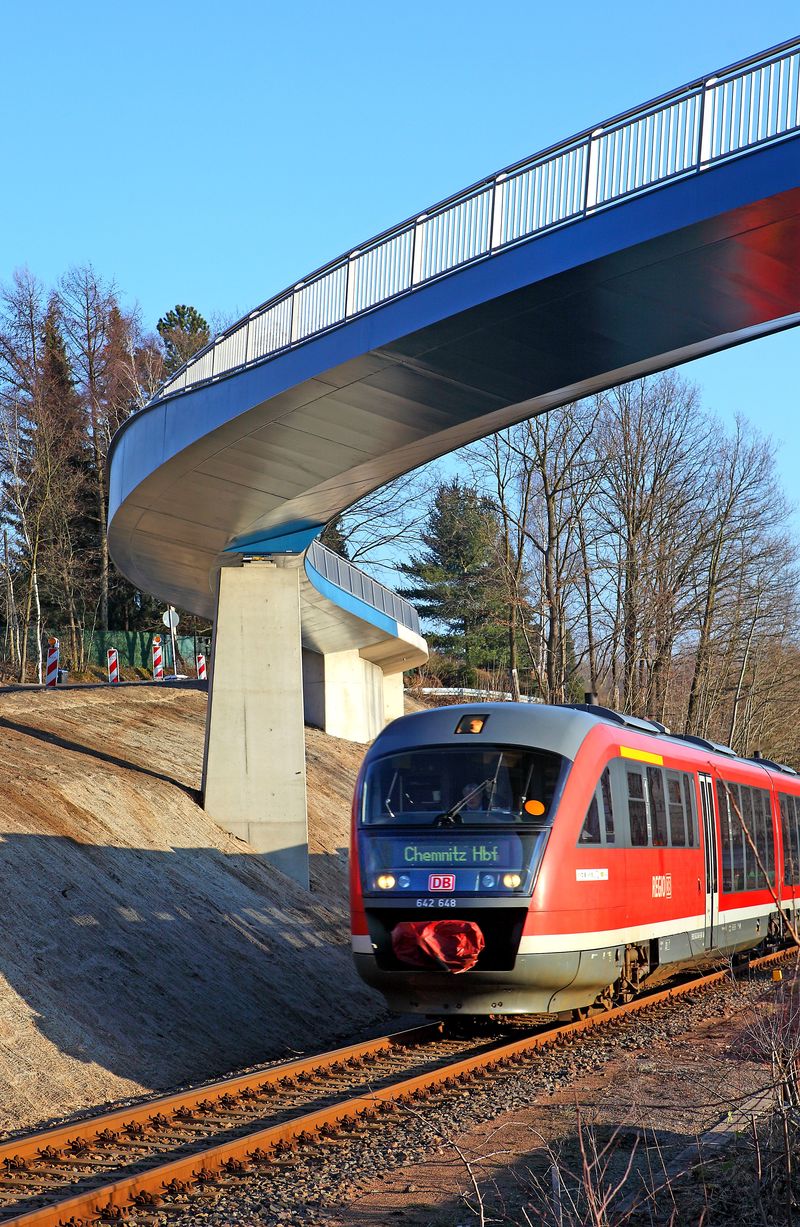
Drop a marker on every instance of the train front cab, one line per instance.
(636, 868)
(451, 820)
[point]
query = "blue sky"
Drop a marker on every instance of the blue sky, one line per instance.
(214, 154)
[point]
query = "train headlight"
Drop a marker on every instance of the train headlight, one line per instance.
(512, 880)
(386, 881)
(404, 880)
(488, 881)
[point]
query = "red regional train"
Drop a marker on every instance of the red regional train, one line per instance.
(520, 858)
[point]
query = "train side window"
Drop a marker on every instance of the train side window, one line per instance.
(788, 820)
(739, 850)
(608, 805)
(759, 833)
(677, 820)
(725, 832)
(761, 804)
(794, 838)
(764, 840)
(598, 825)
(658, 806)
(590, 832)
(637, 808)
(745, 868)
(766, 809)
(691, 812)
(757, 821)
(790, 813)
(751, 812)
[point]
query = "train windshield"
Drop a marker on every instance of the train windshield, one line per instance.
(445, 786)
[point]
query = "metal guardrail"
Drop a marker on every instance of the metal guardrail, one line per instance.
(751, 103)
(347, 577)
(466, 692)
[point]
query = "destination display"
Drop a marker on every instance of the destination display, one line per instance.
(475, 852)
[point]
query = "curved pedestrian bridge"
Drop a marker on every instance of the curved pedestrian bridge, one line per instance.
(666, 233)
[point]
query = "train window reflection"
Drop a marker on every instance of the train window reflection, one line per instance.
(605, 789)
(452, 786)
(598, 825)
(677, 821)
(658, 807)
(741, 806)
(790, 812)
(691, 813)
(658, 803)
(637, 809)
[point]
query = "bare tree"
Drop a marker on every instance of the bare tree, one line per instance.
(99, 347)
(738, 531)
(385, 525)
(655, 451)
(40, 440)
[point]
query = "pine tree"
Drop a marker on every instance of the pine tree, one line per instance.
(455, 580)
(183, 331)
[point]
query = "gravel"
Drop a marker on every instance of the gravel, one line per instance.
(316, 1183)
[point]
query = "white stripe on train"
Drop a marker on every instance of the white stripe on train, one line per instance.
(558, 943)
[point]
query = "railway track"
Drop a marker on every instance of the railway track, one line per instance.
(127, 1165)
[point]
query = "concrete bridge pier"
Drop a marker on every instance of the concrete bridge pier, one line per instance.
(254, 770)
(287, 653)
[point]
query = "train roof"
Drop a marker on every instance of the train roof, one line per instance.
(560, 729)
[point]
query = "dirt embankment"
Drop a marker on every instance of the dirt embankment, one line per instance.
(142, 946)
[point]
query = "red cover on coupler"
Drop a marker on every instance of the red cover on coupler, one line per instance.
(452, 944)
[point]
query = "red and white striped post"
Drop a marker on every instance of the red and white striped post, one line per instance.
(201, 667)
(158, 660)
(113, 667)
(51, 676)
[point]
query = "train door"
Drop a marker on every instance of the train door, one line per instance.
(710, 851)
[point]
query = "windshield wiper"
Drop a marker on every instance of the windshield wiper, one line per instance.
(451, 816)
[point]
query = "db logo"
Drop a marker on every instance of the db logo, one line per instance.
(442, 881)
(662, 885)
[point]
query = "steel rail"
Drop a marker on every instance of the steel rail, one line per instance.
(685, 131)
(60, 1135)
(243, 1154)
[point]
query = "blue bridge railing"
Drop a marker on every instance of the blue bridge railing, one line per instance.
(349, 578)
(685, 132)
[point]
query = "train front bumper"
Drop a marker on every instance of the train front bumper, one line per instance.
(536, 984)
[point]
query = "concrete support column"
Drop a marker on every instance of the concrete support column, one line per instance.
(343, 694)
(393, 698)
(254, 771)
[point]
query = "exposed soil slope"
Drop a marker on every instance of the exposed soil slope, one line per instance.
(142, 946)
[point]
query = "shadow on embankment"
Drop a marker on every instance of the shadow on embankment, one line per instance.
(76, 747)
(160, 966)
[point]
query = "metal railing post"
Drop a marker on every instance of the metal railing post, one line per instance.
(294, 315)
(498, 202)
(590, 195)
(350, 284)
(416, 250)
(706, 124)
